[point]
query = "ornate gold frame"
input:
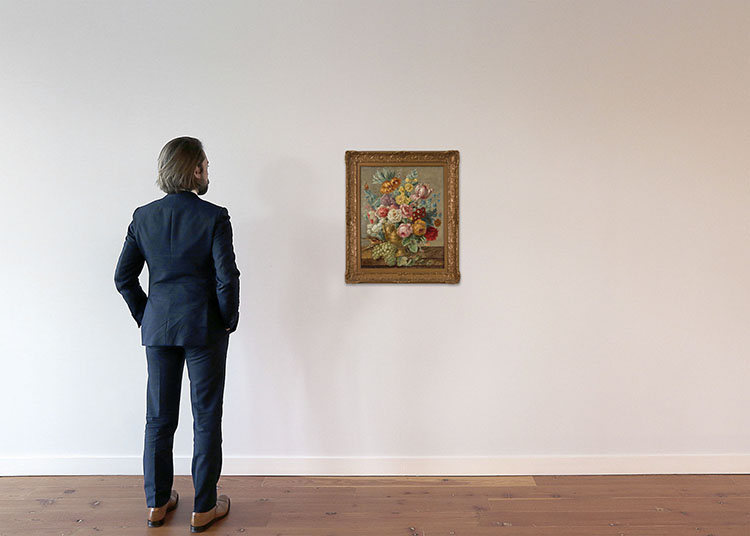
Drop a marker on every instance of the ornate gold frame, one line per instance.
(354, 271)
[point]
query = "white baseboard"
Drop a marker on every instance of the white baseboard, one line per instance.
(385, 466)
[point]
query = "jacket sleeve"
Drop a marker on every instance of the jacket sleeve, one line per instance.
(227, 274)
(129, 267)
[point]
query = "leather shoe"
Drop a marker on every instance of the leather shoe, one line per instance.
(156, 515)
(202, 520)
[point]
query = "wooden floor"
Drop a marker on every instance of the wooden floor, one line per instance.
(627, 505)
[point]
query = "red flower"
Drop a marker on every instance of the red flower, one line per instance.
(418, 213)
(431, 233)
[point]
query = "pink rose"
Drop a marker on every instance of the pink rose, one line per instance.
(406, 211)
(382, 211)
(404, 230)
(372, 216)
(422, 191)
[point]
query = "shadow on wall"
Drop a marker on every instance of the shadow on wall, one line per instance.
(298, 253)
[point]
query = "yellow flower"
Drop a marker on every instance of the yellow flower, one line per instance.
(409, 187)
(401, 189)
(401, 199)
(385, 188)
(419, 227)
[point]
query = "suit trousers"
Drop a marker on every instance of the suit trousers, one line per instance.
(207, 371)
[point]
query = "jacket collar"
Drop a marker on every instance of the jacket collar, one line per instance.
(183, 192)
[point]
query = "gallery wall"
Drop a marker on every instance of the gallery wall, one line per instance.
(601, 321)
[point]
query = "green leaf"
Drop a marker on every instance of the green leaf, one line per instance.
(382, 175)
(372, 199)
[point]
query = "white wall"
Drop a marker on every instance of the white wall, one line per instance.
(601, 322)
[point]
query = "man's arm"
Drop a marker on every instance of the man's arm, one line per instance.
(129, 267)
(227, 274)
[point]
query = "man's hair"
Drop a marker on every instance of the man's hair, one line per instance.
(177, 162)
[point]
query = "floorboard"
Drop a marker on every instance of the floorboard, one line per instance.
(565, 505)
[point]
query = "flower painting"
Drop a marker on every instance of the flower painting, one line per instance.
(402, 213)
(402, 217)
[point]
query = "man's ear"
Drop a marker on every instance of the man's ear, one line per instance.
(197, 172)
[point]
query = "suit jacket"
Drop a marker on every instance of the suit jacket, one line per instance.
(194, 284)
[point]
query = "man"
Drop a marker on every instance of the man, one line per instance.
(191, 308)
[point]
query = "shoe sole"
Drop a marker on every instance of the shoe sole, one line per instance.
(154, 524)
(194, 529)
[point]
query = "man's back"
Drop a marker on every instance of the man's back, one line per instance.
(193, 294)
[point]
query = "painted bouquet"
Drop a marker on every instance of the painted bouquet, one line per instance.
(403, 216)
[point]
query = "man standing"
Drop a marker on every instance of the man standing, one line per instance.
(191, 308)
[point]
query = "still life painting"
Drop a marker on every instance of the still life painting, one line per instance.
(402, 217)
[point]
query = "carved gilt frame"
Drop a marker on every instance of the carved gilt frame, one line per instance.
(355, 272)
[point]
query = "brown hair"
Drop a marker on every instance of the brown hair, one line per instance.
(177, 162)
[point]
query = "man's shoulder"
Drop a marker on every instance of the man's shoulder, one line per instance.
(210, 205)
(150, 206)
(187, 199)
(143, 210)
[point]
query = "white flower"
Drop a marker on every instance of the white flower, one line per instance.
(394, 215)
(374, 228)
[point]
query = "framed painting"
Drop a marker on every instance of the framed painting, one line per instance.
(402, 217)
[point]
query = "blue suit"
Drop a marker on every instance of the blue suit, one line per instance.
(191, 307)
(194, 284)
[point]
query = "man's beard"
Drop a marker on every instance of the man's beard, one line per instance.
(203, 188)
